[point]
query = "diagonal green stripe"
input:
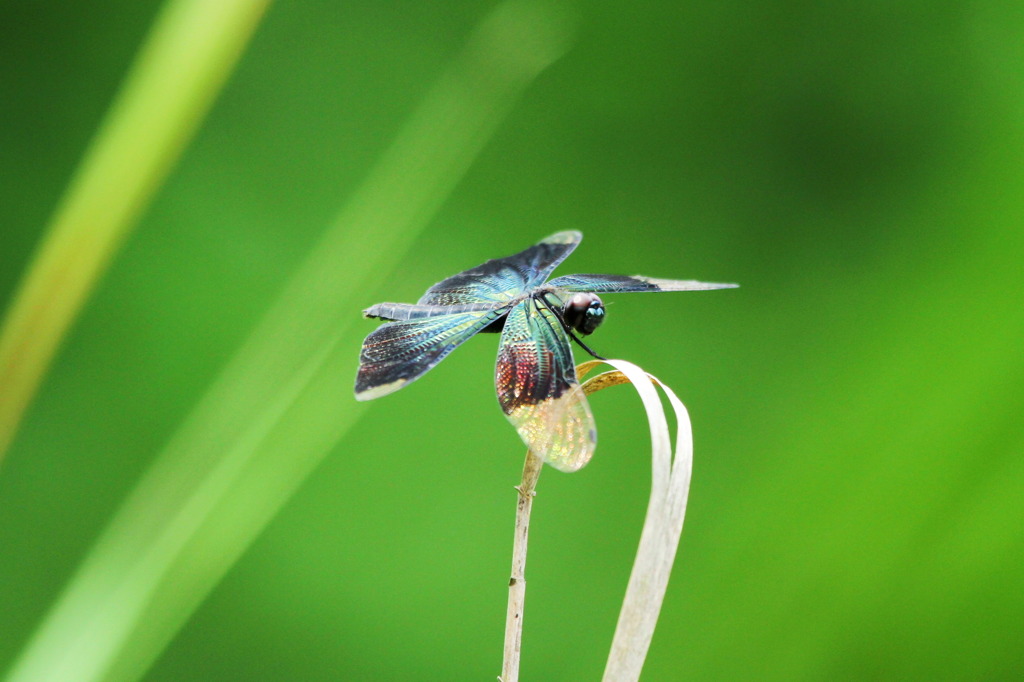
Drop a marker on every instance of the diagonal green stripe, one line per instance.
(188, 55)
(282, 402)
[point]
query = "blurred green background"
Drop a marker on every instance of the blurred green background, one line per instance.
(857, 405)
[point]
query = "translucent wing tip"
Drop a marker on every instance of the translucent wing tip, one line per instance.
(564, 237)
(577, 459)
(560, 431)
(686, 284)
(364, 393)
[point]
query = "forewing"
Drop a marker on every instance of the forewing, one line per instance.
(413, 311)
(619, 283)
(400, 352)
(538, 391)
(503, 279)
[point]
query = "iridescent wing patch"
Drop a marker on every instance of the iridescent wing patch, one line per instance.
(400, 352)
(503, 279)
(537, 388)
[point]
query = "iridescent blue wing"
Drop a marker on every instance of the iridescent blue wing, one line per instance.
(538, 390)
(503, 279)
(601, 284)
(400, 352)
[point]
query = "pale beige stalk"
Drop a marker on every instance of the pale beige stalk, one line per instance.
(517, 583)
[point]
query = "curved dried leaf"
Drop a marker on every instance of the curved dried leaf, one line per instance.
(670, 485)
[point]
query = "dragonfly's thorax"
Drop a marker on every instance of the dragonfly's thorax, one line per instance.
(583, 312)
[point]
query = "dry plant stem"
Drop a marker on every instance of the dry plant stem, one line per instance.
(517, 583)
(663, 524)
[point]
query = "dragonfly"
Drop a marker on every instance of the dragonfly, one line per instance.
(535, 375)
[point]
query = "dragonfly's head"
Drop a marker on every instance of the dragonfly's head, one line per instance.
(584, 312)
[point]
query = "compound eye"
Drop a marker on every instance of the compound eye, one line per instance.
(583, 312)
(594, 317)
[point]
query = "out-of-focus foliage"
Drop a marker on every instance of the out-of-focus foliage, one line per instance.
(857, 404)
